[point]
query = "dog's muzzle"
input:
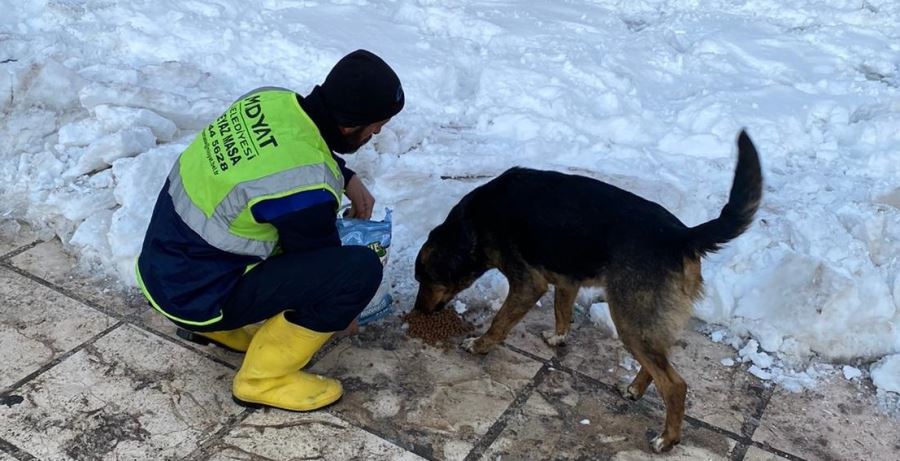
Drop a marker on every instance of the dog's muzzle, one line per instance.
(431, 298)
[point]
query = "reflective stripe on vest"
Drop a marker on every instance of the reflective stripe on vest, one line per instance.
(216, 228)
(263, 147)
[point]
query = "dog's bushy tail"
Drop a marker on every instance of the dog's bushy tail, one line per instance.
(737, 215)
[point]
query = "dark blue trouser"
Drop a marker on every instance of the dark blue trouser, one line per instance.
(323, 290)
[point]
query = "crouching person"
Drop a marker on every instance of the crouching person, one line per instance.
(243, 231)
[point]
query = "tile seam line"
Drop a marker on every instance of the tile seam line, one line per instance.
(752, 422)
(497, 428)
(63, 291)
(59, 359)
(15, 452)
(19, 250)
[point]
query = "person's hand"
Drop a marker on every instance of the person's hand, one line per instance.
(361, 201)
(351, 330)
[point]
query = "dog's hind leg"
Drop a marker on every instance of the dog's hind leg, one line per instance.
(648, 321)
(678, 397)
(563, 303)
(525, 288)
(674, 391)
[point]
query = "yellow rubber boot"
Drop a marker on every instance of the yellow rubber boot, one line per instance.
(269, 375)
(235, 340)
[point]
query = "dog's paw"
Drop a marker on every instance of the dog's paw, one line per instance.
(659, 444)
(474, 346)
(553, 339)
(628, 391)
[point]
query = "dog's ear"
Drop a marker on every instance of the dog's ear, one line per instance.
(423, 261)
(425, 253)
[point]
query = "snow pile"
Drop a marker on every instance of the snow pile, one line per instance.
(99, 98)
(886, 373)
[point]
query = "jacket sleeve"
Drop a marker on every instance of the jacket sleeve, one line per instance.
(305, 221)
(347, 172)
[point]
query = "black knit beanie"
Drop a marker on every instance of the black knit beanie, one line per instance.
(362, 89)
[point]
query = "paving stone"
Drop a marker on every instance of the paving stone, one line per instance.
(719, 395)
(756, 454)
(572, 418)
(49, 261)
(319, 435)
(129, 395)
(37, 325)
(838, 420)
(438, 401)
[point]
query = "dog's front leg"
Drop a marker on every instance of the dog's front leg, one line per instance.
(524, 292)
(563, 303)
(638, 386)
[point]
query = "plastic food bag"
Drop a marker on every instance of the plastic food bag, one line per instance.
(377, 236)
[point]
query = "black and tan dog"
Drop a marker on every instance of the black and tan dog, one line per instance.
(543, 227)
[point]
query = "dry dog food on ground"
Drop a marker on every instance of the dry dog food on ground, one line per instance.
(437, 327)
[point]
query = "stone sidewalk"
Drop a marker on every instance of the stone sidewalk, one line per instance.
(89, 373)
